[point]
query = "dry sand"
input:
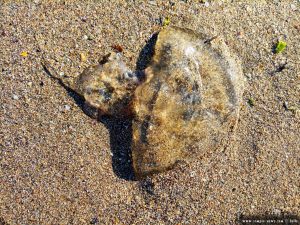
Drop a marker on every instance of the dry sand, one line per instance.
(56, 163)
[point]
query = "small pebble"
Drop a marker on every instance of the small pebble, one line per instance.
(248, 9)
(95, 220)
(27, 99)
(83, 57)
(67, 107)
(248, 76)
(193, 173)
(83, 19)
(286, 105)
(277, 212)
(85, 37)
(152, 3)
(15, 40)
(61, 74)
(15, 97)
(240, 34)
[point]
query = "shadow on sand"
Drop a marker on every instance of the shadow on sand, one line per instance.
(120, 129)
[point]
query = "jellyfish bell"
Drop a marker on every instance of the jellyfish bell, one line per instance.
(191, 95)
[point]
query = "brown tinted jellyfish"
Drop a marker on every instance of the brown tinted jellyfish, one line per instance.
(190, 97)
(184, 104)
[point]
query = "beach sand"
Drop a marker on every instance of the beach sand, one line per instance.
(59, 166)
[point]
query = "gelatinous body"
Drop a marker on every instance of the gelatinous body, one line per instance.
(191, 95)
(109, 86)
(183, 104)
